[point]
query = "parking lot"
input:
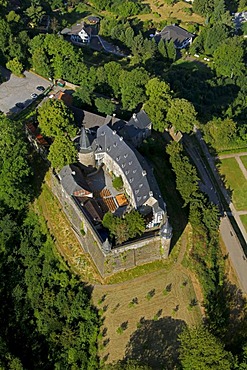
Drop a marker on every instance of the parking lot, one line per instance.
(18, 90)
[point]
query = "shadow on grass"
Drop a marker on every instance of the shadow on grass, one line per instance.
(154, 150)
(155, 343)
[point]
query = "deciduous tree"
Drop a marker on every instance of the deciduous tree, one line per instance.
(200, 350)
(62, 152)
(55, 119)
(181, 115)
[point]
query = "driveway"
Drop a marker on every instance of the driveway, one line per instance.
(18, 90)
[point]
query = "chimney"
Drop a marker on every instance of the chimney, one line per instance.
(144, 173)
(73, 173)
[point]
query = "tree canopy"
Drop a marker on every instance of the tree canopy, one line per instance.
(126, 227)
(55, 119)
(15, 189)
(182, 115)
(200, 350)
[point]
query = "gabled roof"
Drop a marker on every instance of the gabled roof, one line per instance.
(175, 33)
(75, 29)
(88, 119)
(108, 141)
(73, 181)
(140, 120)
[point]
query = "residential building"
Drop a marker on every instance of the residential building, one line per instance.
(180, 37)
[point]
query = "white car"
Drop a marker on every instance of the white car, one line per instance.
(34, 96)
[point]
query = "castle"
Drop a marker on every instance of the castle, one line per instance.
(107, 148)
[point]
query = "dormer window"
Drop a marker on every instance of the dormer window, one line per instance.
(144, 197)
(102, 133)
(108, 148)
(130, 163)
(131, 179)
(137, 191)
(125, 155)
(140, 185)
(118, 158)
(134, 171)
(115, 144)
(138, 199)
(123, 165)
(127, 172)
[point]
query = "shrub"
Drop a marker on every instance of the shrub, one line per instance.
(117, 183)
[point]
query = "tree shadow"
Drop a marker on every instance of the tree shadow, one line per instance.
(155, 343)
(196, 82)
(227, 314)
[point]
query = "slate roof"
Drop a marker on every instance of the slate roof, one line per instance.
(108, 141)
(72, 180)
(84, 142)
(88, 119)
(140, 120)
(76, 28)
(175, 33)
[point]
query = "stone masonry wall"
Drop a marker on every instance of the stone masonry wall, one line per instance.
(118, 259)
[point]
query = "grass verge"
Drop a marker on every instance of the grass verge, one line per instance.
(235, 181)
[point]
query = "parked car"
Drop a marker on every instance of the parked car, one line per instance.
(40, 88)
(34, 96)
(20, 105)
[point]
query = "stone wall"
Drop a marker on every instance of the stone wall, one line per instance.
(118, 259)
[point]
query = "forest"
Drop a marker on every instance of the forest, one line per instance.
(47, 318)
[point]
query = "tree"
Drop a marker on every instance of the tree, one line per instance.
(182, 115)
(15, 189)
(186, 175)
(159, 97)
(129, 226)
(214, 37)
(113, 71)
(55, 119)
(136, 223)
(229, 58)
(200, 350)
(13, 17)
(34, 13)
(62, 152)
(220, 132)
(16, 67)
(132, 87)
(105, 106)
(203, 7)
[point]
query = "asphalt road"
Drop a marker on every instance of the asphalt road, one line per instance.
(18, 90)
(233, 246)
(236, 254)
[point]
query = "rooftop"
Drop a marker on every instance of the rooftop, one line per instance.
(108, 141)
(175, 33)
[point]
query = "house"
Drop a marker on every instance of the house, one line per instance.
(79, 33)
(180, 37)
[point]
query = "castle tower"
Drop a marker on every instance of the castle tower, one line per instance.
(86, 153)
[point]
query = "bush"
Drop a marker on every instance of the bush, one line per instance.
(117, 183)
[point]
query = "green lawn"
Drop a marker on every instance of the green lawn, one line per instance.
(244, 221)
(244, 160)
(235, 181)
